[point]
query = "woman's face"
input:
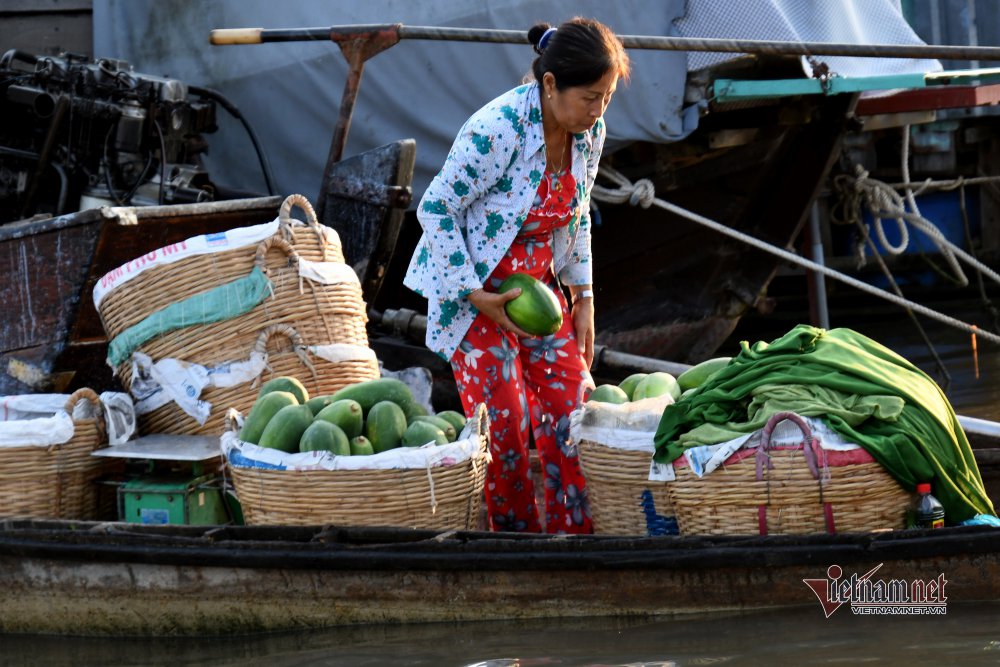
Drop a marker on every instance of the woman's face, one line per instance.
(577, 108)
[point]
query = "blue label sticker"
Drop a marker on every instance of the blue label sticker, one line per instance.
(154, 516)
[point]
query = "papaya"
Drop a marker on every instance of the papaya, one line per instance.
(657, 384)
(385, 426)
(286, 427)
(361, 446)
(443, 424)
(699, 373)
(456, 419)
(345, 413)
(324, 436)
(536, 310)
(421, 432)
(317, 403)
(285, 383)
(370, 392)
(609, 393)
(264, 408)
(628, 384)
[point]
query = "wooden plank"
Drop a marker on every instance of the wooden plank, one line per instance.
(931, 98)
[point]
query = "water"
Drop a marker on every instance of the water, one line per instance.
(967, 635)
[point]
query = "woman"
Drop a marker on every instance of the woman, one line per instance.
(514, 196)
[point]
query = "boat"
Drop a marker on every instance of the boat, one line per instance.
(117, 579)
(52, 338)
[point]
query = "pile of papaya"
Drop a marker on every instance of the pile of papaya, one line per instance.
(647, 385)
(361, 419)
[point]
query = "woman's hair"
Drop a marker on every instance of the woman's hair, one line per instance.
(579, 52)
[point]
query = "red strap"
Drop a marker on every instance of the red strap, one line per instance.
(762, 519)
(828, 515)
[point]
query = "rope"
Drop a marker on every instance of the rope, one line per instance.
(626, 189)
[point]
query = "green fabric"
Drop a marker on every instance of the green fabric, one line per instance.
(865, 391)
(219, 303)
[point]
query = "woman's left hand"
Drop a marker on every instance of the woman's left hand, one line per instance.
(583, 325)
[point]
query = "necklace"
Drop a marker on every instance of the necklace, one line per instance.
(556, 171)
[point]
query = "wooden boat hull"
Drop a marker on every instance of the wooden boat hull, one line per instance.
(116, 579)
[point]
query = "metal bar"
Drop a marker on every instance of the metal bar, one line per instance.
(654, 42)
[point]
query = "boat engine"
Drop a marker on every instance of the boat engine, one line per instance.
(79, 134)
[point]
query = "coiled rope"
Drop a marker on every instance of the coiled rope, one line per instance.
(642, 193)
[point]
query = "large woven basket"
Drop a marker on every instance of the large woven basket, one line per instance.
(58, 481)
(286, 355)
(788, 491)
(321, 314)
(445, 497)
(623, 501)
(615, 445)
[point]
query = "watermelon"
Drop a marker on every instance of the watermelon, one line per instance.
(536, 310)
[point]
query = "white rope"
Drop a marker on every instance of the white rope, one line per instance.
(626, 189)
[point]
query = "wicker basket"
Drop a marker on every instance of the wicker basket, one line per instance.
(58, 481)
(615, 458)
(445, 497)
(623, 501)
(319, 376)
(788, 491)
(321, 314)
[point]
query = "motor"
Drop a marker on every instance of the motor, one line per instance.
(81, 134)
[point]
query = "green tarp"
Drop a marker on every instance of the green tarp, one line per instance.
(219, 303)
(865, 391)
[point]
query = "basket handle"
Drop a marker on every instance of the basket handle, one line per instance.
(811, 450)
(79, 395)
(265, 246)
(482, 417)
(285, 220)
(298, 346)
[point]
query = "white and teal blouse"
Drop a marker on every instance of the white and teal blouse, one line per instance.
(474, 207)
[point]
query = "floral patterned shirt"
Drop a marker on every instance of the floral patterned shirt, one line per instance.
(474, 207)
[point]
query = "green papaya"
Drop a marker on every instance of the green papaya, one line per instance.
(422, 432)
(285, 383)
(324, 436)
(345, 413)
(385, 426)
(699, 373)
(317, 403)
(443, 424)
(370, 392)
(456, 419)
(264, 408)
(286, 427)
(361, 446)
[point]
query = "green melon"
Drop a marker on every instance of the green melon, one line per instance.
(609, 393)
(385, 426)
(456, 419)
(422, 432)
(361, 446)
(264, 408)
(657, 384)
(285, 429)
(628, 384)
(536, 310)
(345, 413)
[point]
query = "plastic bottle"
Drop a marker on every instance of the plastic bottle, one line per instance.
(929, 510)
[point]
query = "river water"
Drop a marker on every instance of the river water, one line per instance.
(967, 635)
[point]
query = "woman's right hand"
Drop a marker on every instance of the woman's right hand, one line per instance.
(492, 305)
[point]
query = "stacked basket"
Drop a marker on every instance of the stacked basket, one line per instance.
(314, 304)
(615, 445)
(789, 490)
(58, 481)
